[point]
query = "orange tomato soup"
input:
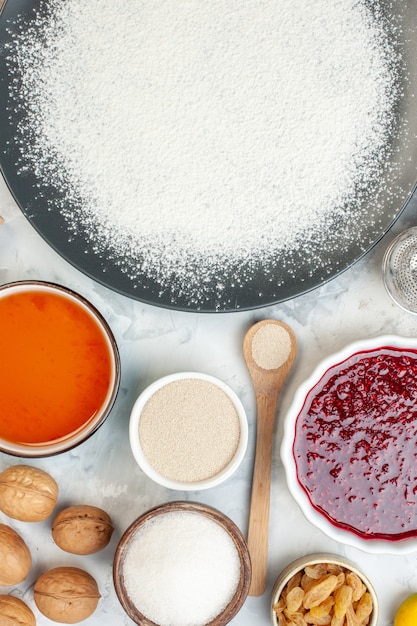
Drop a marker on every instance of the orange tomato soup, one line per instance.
(55, 367)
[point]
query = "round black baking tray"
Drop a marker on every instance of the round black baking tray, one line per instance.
(291, 273)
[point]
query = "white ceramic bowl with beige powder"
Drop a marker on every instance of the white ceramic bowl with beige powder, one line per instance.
(188, 431)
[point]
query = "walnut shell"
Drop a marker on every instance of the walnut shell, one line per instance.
(66, 594)
(27, 494)
(82, 529)
(15, 612)
(15, 557)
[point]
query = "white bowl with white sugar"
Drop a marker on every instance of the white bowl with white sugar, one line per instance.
(182, 564)
(188, 431)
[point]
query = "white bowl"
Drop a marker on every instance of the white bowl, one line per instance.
(33, 297)
(167, 479)
(379, 544)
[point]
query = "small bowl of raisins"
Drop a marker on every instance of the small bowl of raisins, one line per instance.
(323, 589)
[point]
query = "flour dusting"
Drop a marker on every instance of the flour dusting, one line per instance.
(199, 143)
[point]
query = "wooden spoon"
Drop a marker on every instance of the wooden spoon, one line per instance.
(269, 349)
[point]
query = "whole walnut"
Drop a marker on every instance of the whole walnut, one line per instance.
(27, 493)
(66, 594)
(82, 529)
(15, 557)
(15, 612)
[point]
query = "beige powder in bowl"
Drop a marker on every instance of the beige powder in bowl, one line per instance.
(189, 430)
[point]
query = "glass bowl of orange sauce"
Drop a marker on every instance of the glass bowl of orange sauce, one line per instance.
(59, 369)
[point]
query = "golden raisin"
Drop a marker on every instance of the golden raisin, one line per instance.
(357, 585)
(320, 591)
(364, 607)
(343, 599)
(294, 599)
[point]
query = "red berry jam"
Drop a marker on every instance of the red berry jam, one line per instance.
(355, 444)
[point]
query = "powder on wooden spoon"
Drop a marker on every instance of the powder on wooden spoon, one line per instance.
(271, 346)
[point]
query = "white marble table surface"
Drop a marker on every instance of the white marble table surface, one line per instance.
(154, 342)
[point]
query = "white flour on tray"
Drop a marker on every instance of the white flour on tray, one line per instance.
(191, 139)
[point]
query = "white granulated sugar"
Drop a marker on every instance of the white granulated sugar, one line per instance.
(190, 140)
(181, 569)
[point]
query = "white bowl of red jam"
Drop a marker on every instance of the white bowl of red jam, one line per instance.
(59, 369)
(349, 447)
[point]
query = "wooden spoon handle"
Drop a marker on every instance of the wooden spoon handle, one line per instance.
(258, 530)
